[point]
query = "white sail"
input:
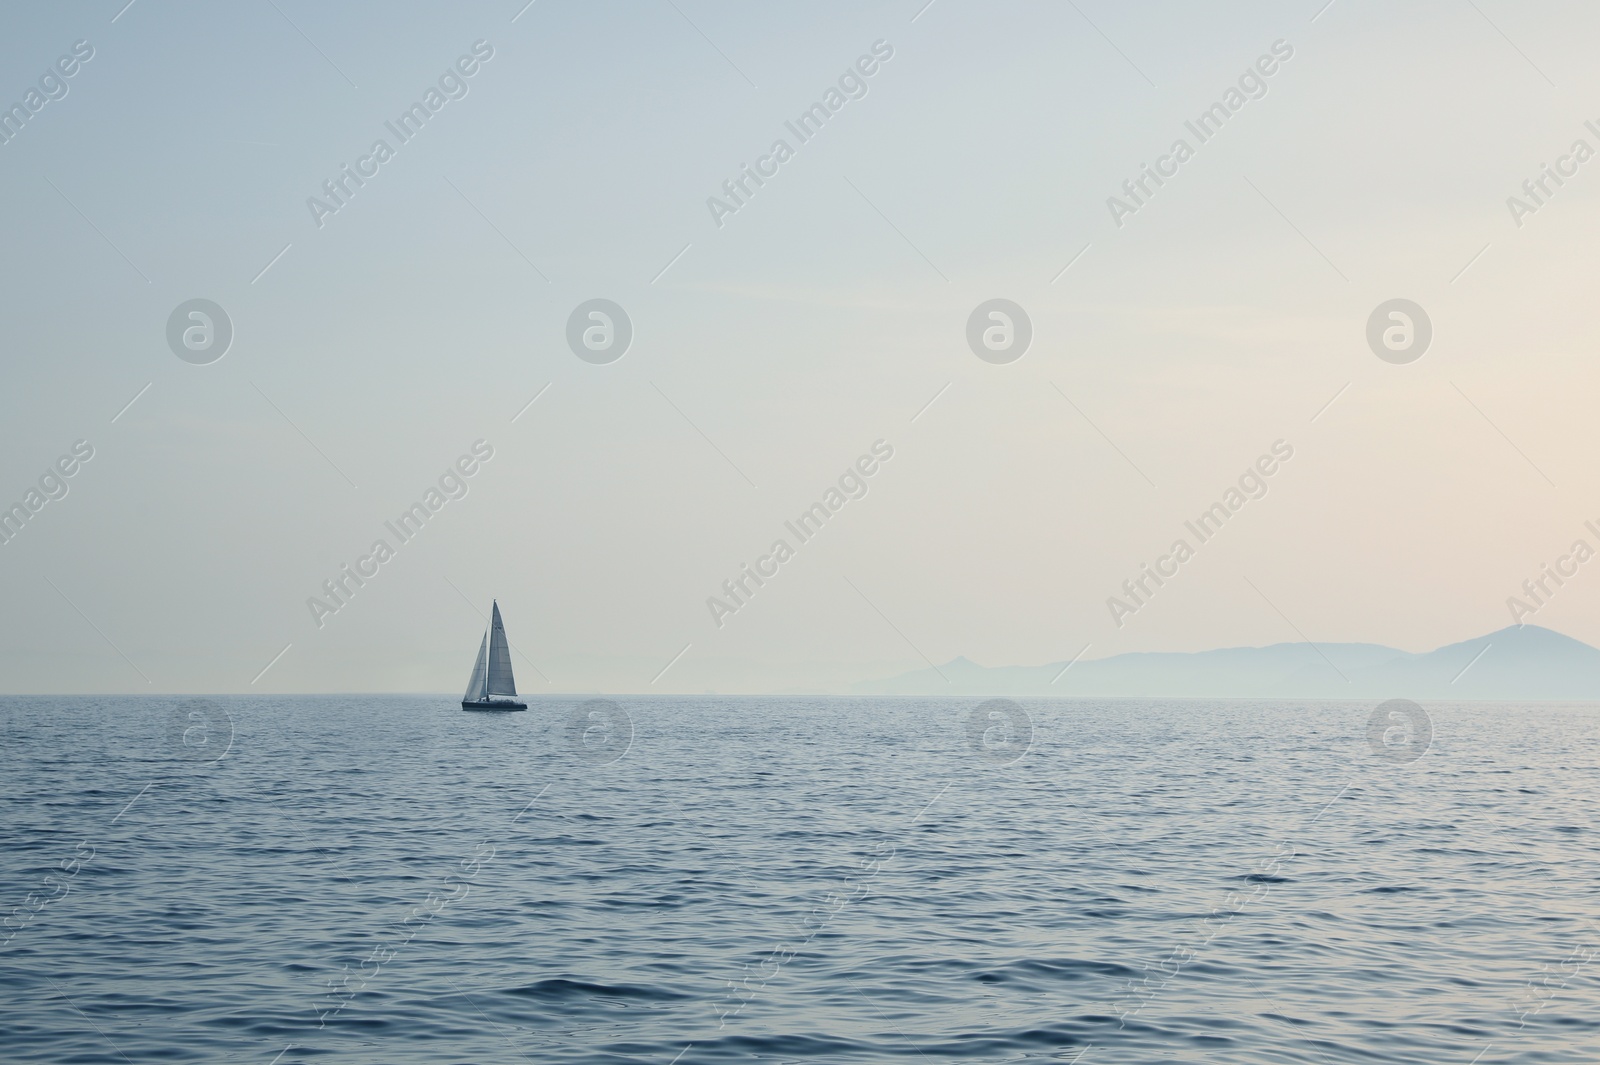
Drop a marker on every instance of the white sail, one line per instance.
(499, 681)
(480, 673)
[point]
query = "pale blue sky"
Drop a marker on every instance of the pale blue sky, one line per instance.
(822, 317)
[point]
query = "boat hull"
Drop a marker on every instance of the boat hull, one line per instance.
(495, 704)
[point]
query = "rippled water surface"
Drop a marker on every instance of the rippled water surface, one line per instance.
(389, 879)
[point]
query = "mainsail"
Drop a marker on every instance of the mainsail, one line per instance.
(480, 673)
(499, 680)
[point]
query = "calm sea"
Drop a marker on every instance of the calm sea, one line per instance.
(391, 880)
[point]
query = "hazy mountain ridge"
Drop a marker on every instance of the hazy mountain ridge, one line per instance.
(1516, 663)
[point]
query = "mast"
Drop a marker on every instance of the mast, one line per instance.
(498, 678)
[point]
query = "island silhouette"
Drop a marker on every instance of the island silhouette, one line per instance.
(1519, 663)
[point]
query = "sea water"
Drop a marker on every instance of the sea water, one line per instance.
(389, 879)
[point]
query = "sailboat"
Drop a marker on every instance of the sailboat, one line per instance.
(492, 686)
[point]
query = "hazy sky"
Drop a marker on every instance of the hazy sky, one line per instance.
(1221, 316)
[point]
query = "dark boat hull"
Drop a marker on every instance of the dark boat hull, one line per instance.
(498, 704)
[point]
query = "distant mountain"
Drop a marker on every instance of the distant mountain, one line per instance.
(1517, 663)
